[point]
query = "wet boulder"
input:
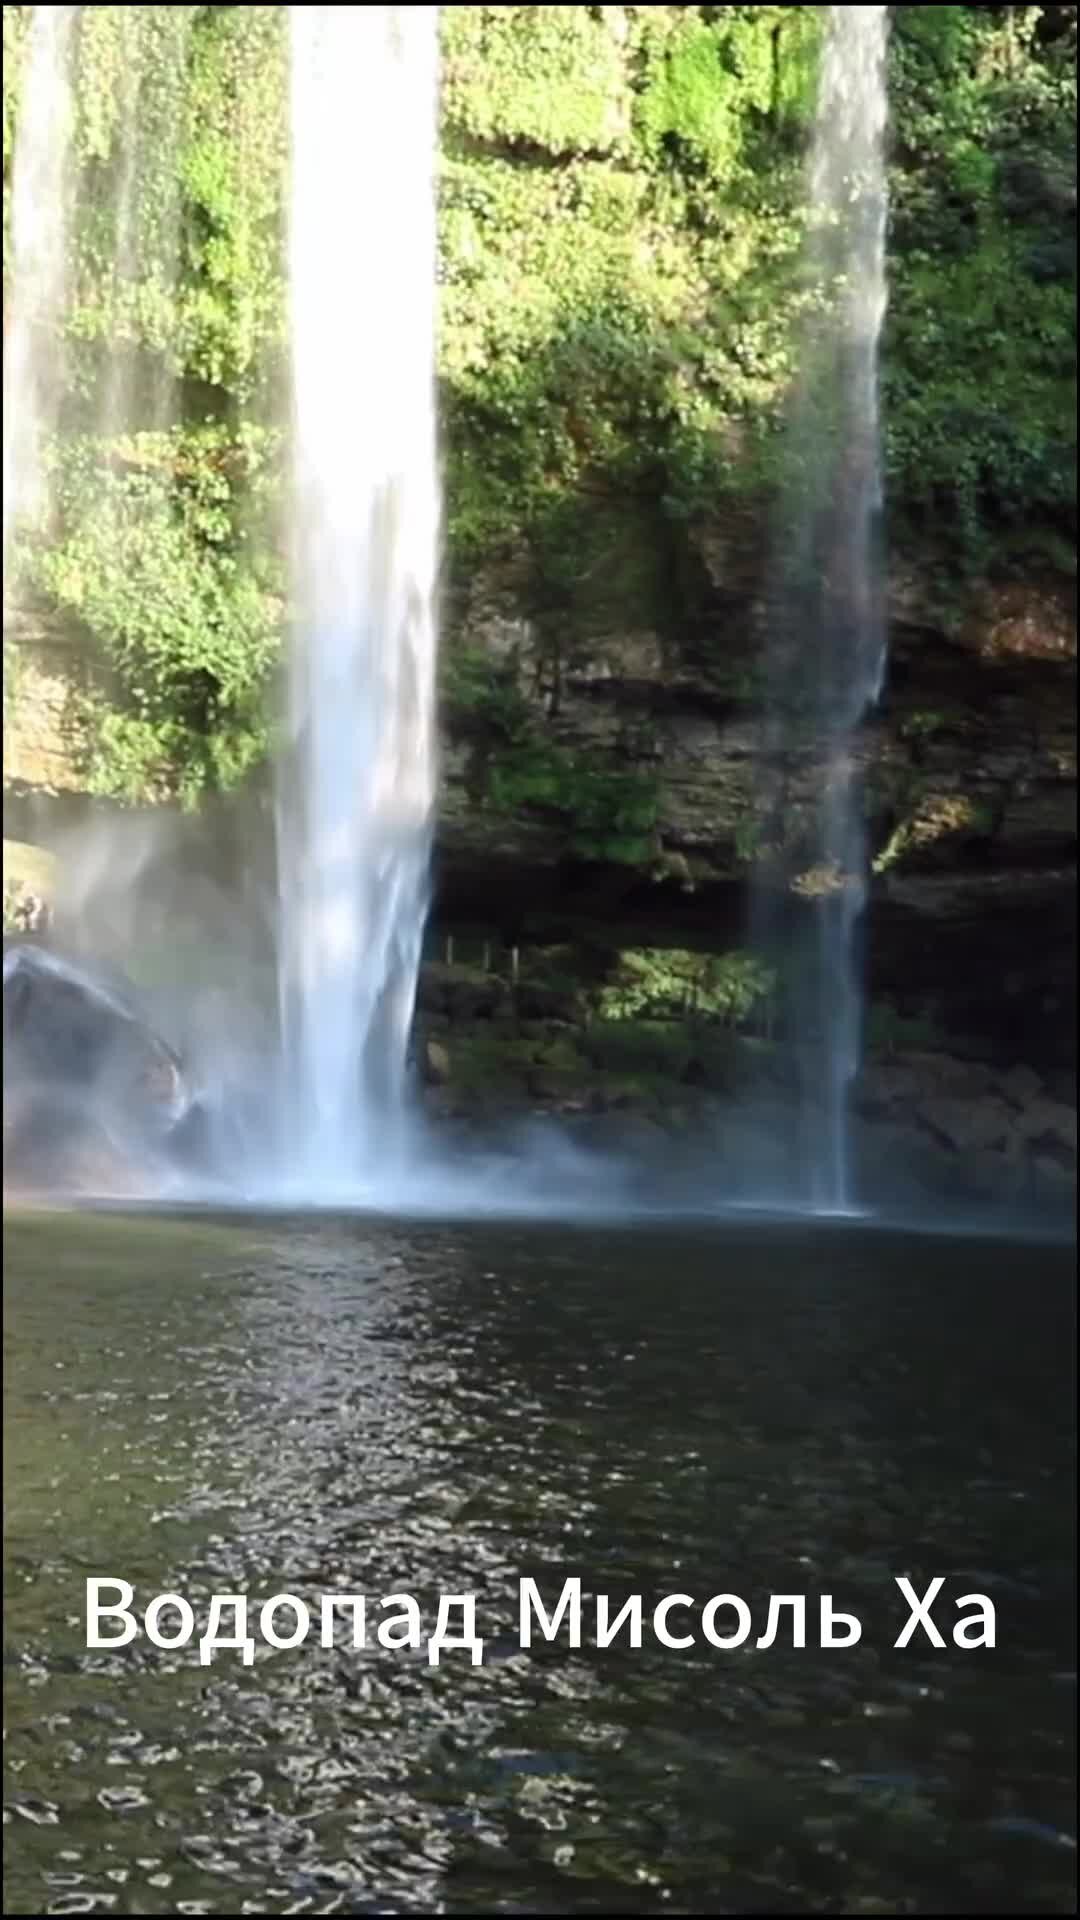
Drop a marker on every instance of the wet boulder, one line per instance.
(81, 1065)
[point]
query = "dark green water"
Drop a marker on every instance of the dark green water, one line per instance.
(267, 1406)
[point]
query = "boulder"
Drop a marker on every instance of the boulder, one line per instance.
(460, 993)
(968, 1126)
(995, 1174)
(537, 1000)
(1052, 1180)
(954, 1079)
(1020, 1085)
(88, 1084)
(1048, 1123)
(883, 1086)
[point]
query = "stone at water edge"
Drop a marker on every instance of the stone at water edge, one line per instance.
(90, 1089)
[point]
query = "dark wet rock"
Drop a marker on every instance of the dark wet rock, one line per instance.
(1052, 1177)
(1020, 1085)
(1050, 1125)
(971, 1125)
(995, 1173)
(63, 1027)
(924, 1122)
(536, 1001)
(460, 993)
(884, 1086)
(436, 1063)
(89, 1086)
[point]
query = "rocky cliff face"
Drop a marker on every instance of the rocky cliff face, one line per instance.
(968, 767)
(623, 794)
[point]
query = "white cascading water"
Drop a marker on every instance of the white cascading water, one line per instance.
(358, 767)
(38, 265)
(848, 200)
(829, 656)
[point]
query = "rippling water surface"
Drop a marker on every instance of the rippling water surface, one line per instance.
(300, 1405)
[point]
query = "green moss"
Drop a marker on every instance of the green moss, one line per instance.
(980, 353)
(620, 212)
(604, 812)
(936, 819)
(607, 815)
(152, 561)
(721, 72)
(552, 77)
(658, 981)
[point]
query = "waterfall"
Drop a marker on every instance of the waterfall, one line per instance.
(829, 645)
(357, 783)
(32, 344)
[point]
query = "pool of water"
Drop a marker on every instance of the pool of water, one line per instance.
(265, 1405)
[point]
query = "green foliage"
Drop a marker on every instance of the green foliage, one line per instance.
(922, 726)
(482, 700)
(130, 101)
(621, 327)
(153, 562)
(748, 838)
(980, 352)
(551, 77)
(658, 983)
(650, 1047)
(620, 211)
(604, 812)
(181, 134)
(722, 71)
(608, 815)
(693, 97)
(233, 175)
(15, 23)
(934, 817)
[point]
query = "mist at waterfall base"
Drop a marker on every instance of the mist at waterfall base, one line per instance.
(186, 897)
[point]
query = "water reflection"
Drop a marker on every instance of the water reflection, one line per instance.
(265, 1407)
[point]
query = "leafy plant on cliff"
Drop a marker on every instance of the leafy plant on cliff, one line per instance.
(549, 77)
(177, 224)
(980, 350)
(151, 560)
(669, 982)
(719, 74)
(606, 812)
